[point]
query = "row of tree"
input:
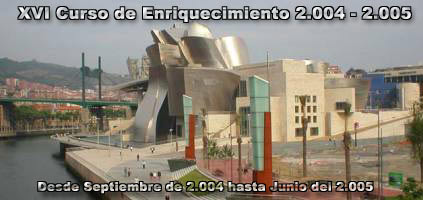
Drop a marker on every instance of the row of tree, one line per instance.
(25, 116)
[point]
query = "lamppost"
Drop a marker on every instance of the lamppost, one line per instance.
(379, 156)
(249, 136)
(98, 133)
(176, 139)
(170, 132)
(230, 128)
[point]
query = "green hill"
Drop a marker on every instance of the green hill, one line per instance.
(52, 74)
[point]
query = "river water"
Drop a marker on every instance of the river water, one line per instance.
(24, 161)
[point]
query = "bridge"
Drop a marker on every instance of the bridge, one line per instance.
(87, 103)
(89, 106)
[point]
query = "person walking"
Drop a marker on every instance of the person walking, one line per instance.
(167, 196)
(131, 148)
(129, 172)
(138, 157)
(143, 164)
(125, 171)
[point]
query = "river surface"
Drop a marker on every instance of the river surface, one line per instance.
(24, 161)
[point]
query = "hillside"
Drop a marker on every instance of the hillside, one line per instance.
(52, 74)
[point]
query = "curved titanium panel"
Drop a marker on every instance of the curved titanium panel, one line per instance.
(198, 30)
(361, 86)
(199, 50)
(210, 88)
(234, 51)
(148, 109)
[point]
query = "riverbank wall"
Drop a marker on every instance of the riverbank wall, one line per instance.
(88, 172)
(18, 134)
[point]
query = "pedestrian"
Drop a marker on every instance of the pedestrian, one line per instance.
(143, 164)
(167, 196)
(138, 157)
(125, 171)
(129, 172)
(131, 148)
(152, 149)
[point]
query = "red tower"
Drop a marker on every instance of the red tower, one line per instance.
(190, 149)
(265, 176)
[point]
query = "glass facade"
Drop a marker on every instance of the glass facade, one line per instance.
(381, 93)
(187, 101)
(259, 104)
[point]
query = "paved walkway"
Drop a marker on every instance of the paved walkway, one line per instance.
(113, 164)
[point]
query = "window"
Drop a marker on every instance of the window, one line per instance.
(314, 119)
(314, 131)
(314, 109)
(308, 109)
(308, 118)
(340, 105)
(314, 99)
(297, 119)
(308, 99)
(297, 99)
(244, 111)
(297, 109)
(298, 132)
(242, 91)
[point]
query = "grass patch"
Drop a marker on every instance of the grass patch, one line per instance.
(196, 177)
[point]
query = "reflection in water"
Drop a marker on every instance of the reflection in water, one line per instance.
(25, 161)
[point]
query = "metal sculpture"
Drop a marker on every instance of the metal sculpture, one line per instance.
(187, 60)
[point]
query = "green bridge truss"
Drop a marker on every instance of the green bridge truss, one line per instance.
(87, 103)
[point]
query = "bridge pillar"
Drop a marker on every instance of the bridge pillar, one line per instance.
(100, 118)
(85, 119)
(7, 125)
(129, 112)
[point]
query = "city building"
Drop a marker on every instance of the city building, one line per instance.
(396, 87)
(214, 72)
(289, 79)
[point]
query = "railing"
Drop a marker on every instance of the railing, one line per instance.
(48, 129)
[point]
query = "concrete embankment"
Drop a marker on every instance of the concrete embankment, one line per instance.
(34, 133)
(88, 172)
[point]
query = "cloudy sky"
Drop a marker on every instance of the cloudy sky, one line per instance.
(348, 43)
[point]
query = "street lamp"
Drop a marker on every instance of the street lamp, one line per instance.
(379, 147)
(249, 136)
(171, 139)
(98, 134)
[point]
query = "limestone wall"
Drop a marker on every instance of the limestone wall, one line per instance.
(408, 94)
(295, 85)
(339, 95)
(336, 121)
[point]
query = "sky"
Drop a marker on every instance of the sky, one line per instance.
(349, 43)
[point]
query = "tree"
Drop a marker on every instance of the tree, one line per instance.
(411, 190)
(239, 141)
(415, 136)
(205, 137)
(347, 144)
(221, 153)
(213, 149)
(304, 130)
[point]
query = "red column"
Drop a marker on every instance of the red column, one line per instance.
(190, 149)
(265, 176)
